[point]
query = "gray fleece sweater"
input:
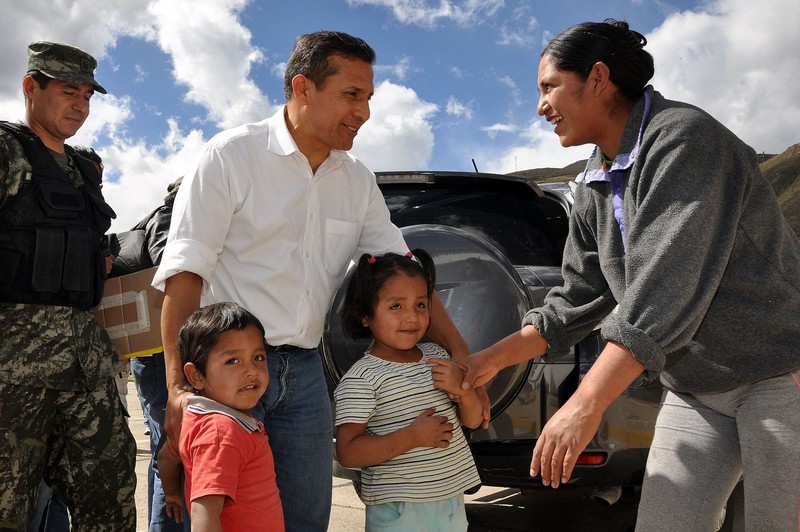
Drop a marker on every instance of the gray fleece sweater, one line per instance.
(708, 292)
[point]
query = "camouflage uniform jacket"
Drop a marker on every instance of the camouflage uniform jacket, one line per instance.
(55, 347)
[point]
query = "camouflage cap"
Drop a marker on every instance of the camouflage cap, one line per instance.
(64, 62)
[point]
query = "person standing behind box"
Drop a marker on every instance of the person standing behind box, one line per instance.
(141, 248)
(270, 218)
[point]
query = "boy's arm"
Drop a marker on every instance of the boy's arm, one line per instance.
(448, 376)
(355, 448)
(169, 469)
(206, 512)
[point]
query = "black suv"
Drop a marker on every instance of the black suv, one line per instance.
(497, 241)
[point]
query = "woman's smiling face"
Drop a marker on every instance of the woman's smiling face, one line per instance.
(564, 101)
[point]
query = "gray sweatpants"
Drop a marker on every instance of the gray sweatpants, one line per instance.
(703, 444)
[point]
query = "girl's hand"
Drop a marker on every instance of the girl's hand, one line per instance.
(430, 430)
(447, 376)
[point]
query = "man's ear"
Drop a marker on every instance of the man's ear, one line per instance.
(300, 87)
(194, 376)
(28, 84)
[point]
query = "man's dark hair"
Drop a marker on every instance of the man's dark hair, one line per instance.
(40, 79)
(311, 54)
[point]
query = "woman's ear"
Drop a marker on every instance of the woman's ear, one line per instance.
(193, 375)
(365, 321)
(599, 77)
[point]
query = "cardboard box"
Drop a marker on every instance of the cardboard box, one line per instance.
(131, 313)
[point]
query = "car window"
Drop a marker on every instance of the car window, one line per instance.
(510, 218)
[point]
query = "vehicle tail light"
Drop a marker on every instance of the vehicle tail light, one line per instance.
(591, 459)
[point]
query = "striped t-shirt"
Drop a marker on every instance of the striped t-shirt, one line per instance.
(388, 396)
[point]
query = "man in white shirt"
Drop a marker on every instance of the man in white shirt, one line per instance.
(270, 218)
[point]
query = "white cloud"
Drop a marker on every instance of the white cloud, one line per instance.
(735, 59)
(739, 61)
(212, 54)
(457, 72)
(465, 13)
(209, 49)
(514, 91)
(494, 129)
(399, 134)
(146, 172)
(540, 149)
(519, 30)
(399, 70)
(458, 109)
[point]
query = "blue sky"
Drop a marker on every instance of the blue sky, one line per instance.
(455, 81)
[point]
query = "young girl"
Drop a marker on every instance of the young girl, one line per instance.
(394, 418)
(230, 475)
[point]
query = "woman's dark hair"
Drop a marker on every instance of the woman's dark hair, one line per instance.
(202, 330)
(311, 56)
(369, 277)
(578, 48)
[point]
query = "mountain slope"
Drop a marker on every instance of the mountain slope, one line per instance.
(782, 171)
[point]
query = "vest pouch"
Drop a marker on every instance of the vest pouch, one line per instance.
(102, 213)
(79, 264)
(10, 261)
(48, 260)
(60, 200)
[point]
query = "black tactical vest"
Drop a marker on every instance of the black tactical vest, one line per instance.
(51, 231)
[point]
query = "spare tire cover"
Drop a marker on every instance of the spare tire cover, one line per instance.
(481, 290)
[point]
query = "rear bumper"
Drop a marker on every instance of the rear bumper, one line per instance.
(507, 464)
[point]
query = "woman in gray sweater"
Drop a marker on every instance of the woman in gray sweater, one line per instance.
(678, 246)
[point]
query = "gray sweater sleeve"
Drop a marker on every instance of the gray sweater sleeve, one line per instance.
(683, 197)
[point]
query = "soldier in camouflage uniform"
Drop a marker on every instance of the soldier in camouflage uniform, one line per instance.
(60, 415)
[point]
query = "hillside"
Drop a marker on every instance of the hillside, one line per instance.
(782, 171)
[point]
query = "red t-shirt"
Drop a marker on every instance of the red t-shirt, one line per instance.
(220, 457)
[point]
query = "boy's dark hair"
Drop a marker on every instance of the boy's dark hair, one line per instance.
(311, 54)
(202, 330)
(369, 277)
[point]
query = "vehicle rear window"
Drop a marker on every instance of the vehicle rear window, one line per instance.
(509, 217)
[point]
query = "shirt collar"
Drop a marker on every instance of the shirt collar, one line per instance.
(203, 405)
(629, 145)
(282, 143)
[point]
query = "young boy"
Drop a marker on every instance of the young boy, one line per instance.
(230, 475)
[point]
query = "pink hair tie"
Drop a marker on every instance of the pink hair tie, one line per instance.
(371, 259)
(410, 255)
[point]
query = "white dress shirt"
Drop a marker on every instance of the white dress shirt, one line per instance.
(262, 230)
